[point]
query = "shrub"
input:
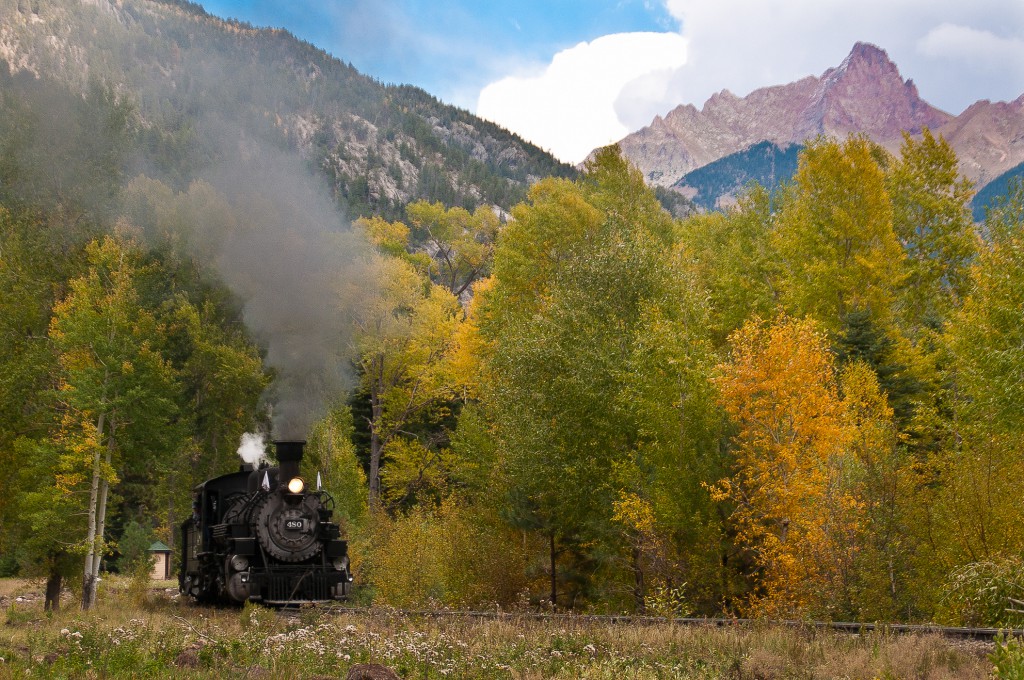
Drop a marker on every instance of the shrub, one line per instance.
(1008, 658)
(982, 594)
(451, 556)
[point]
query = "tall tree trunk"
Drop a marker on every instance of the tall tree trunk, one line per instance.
(53, 585)
(170, 512)
(376, 447)
(88, 577)
(101, 514)
(554, 575)
(638, 583)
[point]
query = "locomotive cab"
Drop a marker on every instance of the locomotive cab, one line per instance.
(261, 535)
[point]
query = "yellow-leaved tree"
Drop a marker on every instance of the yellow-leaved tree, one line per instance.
(834, 237)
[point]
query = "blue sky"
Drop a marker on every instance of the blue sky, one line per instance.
(571, 75)
(450, 49)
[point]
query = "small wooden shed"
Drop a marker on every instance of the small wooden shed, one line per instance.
(161, 561)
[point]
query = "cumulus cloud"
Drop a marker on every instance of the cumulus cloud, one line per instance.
(597, 92)
(569, 106)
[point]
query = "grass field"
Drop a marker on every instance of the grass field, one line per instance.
(147, 631)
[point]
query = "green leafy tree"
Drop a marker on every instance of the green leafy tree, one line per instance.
(116, 393)
(330, 452)
(580, 273)
(976, 503)
(49, 519)
(889, 550)
(133, 547)
(932, 219)
(906, 383)
(835, 237)
(222, 375)
(988, 337)
(32, 270)
(732, 255)
(460, 243)
(402, 341)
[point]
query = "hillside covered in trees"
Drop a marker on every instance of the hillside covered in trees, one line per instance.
(808, 405)
(204, 91)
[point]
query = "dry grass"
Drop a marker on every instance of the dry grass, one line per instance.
(11, 588)
(170, 638)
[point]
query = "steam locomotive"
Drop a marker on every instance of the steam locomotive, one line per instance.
(260, 535)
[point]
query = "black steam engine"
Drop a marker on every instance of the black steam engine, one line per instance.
(260, 535)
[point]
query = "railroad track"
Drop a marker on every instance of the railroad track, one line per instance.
(853, 628)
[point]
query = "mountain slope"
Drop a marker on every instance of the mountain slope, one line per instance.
(763, 163)
(200, 85)
(994, 191)
(864, 95)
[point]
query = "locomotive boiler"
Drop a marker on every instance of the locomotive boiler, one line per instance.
(261, 535)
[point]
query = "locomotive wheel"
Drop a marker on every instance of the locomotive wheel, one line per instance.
(288, 532)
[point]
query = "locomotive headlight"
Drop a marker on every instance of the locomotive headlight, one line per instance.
(296, 485)
(341, 563)
(239, 563)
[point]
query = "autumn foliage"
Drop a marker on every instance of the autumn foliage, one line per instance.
(792, 508)
(806, 405)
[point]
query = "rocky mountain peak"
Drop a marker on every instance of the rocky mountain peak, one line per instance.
(865, 94)
(868, 56)
(866, 65)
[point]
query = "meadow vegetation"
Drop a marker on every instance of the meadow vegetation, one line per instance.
(162, 636)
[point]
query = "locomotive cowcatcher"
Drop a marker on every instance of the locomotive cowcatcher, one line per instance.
(260, 535)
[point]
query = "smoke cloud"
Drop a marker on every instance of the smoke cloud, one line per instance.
(301, 272)
(257, 215)
(265, 226)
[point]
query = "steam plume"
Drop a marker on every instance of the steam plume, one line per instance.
(252, 449)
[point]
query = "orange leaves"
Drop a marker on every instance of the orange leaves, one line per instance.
(794, 509)
(780, 381)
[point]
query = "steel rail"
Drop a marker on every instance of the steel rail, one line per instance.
(959, 632)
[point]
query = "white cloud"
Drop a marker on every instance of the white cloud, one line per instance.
(569, 107)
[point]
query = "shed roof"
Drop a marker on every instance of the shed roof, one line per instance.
(159, 546)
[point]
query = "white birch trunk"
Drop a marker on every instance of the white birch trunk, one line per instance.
(88, 577)
(101, 514)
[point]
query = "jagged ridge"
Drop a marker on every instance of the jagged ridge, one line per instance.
(865, 94)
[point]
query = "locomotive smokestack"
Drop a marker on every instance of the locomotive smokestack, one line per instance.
(289, 455)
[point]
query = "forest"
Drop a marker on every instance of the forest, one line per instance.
(806, 406)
